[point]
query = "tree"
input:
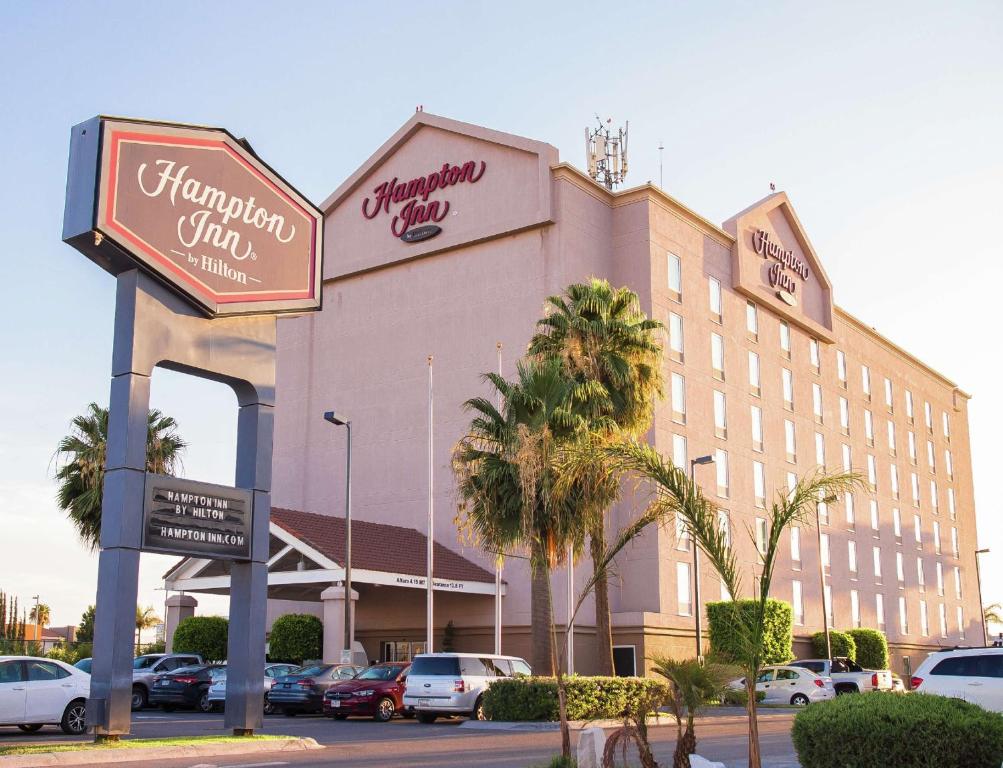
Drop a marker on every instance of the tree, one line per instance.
(39, 615)
(85, 630)
(607, 347)
(146, 618)
(204, 635)
(81, 461)
(296, 637)
(993, 614)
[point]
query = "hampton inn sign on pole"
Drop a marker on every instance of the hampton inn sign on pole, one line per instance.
(208, 244)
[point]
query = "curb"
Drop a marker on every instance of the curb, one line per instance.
(577, 725)
(132, 754)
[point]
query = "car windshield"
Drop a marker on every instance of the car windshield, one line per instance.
(379, 673)
(318, 669)
(145, 661)
(436, 665)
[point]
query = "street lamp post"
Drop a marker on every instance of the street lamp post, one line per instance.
(38, 630)
(821, 576)
(978, 581)
(341, 421)
(696, 561)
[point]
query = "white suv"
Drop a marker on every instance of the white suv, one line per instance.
(454, 683)
(972, 674)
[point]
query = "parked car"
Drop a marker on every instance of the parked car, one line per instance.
(36, 692)
(792, 685)
(377, 692)
(847, 676)
(185, 687)
(303, 690)
(454, 683)
(972, 674)
(84, 665)
(217, 691)
(147, 667)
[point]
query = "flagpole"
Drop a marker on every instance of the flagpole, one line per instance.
(431, 518)
(498, 557)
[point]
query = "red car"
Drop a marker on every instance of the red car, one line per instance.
(377, 692)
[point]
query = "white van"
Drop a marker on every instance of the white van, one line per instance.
(972, 674)
(454, 683)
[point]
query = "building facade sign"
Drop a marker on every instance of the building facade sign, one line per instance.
(182, 517)
(785, 267)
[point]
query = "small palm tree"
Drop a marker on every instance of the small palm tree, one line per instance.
(993, 614)
(39, 615)
(81, 459)
(146, 618)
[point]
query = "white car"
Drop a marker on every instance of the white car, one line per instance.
(790, 685)
(972, 674)
(36, 692)
(217, 691)
(454, 683)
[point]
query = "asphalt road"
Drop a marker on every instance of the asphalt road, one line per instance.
(409, 744)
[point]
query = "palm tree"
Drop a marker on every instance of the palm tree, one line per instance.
(992, 614)
(608, 347)
(146, 618)
(81, 457)
(40, 615)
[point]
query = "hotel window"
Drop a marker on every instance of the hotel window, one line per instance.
(899, 569)
(720, 415)
(952, 511)
(675, 277)
(820, 449)
(822, 508)
(797, 601)
(724, 525)
(715, 299)
(915, 488)
(903, 617)
(868, 428)
(792, 483)
(943, 620)
(752, 321)
(717, 356)
(957, 582)
(757, 428)
(789, 441)
(847, 463)
(893, 475)
(897, 525)
(931, 458)
(876, 553)
(940, 578)
(917, 525)
(854, 608)
(683, 589)
(928, 413)
(816, 401)
(908, 407)
(721, 465)
(676, 337)
(824, 549)
(924, 621)
(785, 339)
(865, 380)
(954, 541)
(889, 398)
(841, 367)
(682, 534)
(936, 537)
(788, 382)
(875, 526)
(678, 399)
(850, 513)
(851, 554)
(827, 600)
(872, 472)
(796, 547)
(679, 451)
(844, 416)
(920, 576)
(879, 611)
(759, 483)
(762, 535)
(947, 427)
(912, 448)
(813, 355)
(755, 382)
(934, 497)
(961, 622)
(948, 463)
(891, 438)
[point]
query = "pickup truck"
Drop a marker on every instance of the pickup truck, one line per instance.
(848, 677)
(147, 667)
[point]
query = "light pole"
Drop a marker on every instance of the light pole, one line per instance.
(709, 459)
(498, 559)
(821, 577)
(38, 630)
(429, 580)
(978, 581)
(341, 421)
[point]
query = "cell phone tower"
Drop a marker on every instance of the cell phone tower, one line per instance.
(606, 152)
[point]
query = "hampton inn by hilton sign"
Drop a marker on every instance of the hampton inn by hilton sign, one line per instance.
(785, 265)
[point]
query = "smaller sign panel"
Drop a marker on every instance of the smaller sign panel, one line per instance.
(184, 517)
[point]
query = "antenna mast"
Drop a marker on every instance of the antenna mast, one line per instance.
(606, 152)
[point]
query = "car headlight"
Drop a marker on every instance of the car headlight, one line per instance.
(364, 693)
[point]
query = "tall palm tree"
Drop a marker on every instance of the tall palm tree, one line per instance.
(40, 615)
(146, 618)
(609, 348)
(81, 461)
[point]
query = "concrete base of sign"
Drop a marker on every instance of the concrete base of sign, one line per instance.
(334, 622)
(179, 608)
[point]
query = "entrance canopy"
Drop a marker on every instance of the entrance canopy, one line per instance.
(307, 551)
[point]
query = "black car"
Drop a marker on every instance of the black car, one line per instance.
(304, 690)
(185, 687)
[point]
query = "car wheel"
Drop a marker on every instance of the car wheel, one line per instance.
(204, 704)
(385, 709)
(799, 700)
(30, 727)
(477, 713)
(268, 708)
(74, 720)
(139, 698)
(426, 717)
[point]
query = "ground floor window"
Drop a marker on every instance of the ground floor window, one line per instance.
(624, 661)
(400, 650)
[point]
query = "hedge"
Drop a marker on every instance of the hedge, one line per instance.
(589, 698)
(296, 637)
(778, 640)
(872, 648)
(884, 730)
(842, 644)
(204, 635)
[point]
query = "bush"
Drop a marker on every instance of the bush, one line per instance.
(739, 698)
(296, 637)
(842, 644)
(589, 698)
(882, 730)
(69, 653)
(872, 648)
(204, 635)
(778, 640)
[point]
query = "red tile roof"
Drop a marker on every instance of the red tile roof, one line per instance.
(377, 546)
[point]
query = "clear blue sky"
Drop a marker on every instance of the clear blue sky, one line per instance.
(883, 121)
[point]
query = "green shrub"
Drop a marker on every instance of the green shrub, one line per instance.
(739, 698)
(69, 654)
(872, 648)
(724, 618)
(296, 637)
(589, 698)
(842, 644)
(204, 635)
(882, 730)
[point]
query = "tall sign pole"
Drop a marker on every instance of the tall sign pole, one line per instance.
(430, 587)
(499, 561)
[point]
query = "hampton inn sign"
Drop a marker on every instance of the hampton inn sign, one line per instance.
(784, 260)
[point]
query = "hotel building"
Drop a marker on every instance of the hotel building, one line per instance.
(446, 242)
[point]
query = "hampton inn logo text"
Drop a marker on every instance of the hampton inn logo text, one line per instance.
(779, 273)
